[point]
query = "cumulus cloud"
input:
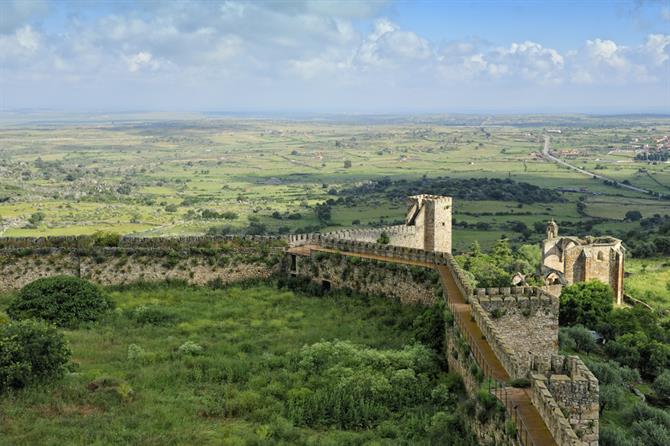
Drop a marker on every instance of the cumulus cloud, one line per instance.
(19, 46)
(140, 61)
(238, 45)
(388, 45)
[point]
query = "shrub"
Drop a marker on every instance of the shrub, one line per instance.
(4, 319)
(612, 373)
(587, 303)
(521, 383)
(152, 315)
(613, 436)
(63, 300)
(429, 327)
(106, 238)
(136, 353)
(649, 433)
(30, 351)
(190, 348)
(611, 397)
(578, 337)
(662, 385)
(384, 238)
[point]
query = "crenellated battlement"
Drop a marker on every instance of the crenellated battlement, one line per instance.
(567, 395)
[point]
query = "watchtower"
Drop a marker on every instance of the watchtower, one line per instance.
(431, 216)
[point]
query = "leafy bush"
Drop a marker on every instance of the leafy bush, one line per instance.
(649, 433)
(106, 239)
(4, 319)
(429, 327)
(637, 350)
(577, 338)
(587, 304)
(611, 397)
(614, 436)
(190, 348)
(30, 351)
(353, 387)
(521, 383)
(662, 385)
(152, 315)
(612, 373)
(63, 300)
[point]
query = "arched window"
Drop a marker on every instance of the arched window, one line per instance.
(601, 256)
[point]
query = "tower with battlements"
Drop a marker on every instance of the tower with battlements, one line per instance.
(431, 217)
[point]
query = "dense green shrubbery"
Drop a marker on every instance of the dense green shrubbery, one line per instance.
(462, 189)
(586, 303)
(496, 268)
(354, 387)
(63, 300)
(30, 351)
(661, 386)
(576, 338)
(152, 315)
(429, 327)
(106, 239)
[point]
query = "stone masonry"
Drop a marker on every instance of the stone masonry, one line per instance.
(567, 260)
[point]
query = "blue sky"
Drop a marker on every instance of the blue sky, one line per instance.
(327, 56)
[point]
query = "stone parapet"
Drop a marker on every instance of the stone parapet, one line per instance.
(564, 382)
(515, 366)
(551, 413)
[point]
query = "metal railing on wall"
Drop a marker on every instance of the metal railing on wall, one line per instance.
(495, 387)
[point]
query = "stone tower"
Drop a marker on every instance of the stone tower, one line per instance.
(567, 260)
(431, 216)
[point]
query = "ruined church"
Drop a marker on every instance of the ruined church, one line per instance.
(567, 260)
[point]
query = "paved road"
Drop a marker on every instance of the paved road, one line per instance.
(547, 154)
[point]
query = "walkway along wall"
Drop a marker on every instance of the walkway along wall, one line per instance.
(510, 333)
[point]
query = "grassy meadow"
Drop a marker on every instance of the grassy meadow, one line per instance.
(151, 175)
(175, 365)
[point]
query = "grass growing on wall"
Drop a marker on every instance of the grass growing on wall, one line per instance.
(178, 365)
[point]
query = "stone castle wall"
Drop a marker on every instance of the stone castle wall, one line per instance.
(526, 319)
(196, 260)
(408, 284)
(563, 384)
(399, 235)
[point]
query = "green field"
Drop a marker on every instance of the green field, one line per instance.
(135, 384)
(147, 175)
(649, 280)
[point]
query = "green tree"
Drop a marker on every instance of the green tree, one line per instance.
(588, 303)
(633, 216)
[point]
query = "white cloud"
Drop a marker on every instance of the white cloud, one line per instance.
(658, 48)
(605, 52)
(388, 45)
(17, 47)
(140, 61)
(244, 45)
